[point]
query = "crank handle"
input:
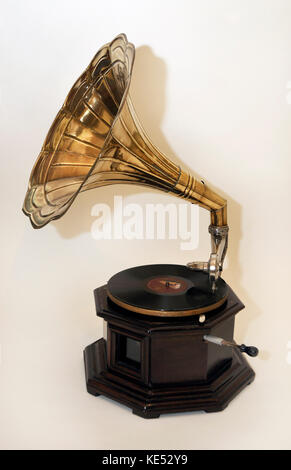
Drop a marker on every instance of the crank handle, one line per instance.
(249, 350)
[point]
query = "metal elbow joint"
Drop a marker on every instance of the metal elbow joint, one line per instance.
(219, 243)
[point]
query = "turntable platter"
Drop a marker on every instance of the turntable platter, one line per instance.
(165, 290)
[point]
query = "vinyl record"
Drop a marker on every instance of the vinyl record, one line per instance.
(165, 290)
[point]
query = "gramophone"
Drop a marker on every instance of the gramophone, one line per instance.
(169, 345)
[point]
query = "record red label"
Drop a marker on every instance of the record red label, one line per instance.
(167, 285)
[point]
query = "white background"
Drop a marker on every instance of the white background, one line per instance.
(210, 85)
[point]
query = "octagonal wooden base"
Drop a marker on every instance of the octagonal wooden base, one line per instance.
(163, 365)
(150, 402)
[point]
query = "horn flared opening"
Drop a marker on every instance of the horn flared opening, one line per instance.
(79, 133)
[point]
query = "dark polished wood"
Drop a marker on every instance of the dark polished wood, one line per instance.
(168, 367)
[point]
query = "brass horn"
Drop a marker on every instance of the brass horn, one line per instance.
(97, 140)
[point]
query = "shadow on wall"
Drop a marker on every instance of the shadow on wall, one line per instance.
(149, 98)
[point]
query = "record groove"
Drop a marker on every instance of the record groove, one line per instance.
(165, 290)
